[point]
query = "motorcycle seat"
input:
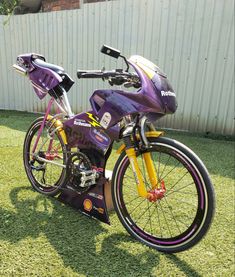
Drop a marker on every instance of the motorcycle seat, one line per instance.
(56, 68)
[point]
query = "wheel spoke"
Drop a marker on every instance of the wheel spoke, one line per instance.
(172, 191)
(183, 201)
(142, 214)
(150, 216)
(132, 200)
(132, 187)
(129, 176)
(160, 178)
(180, 179)
(137, 206)
(172, 214)
(163, 213)
(158, 219)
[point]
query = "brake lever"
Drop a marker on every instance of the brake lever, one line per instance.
(110, 82)
(128, 84)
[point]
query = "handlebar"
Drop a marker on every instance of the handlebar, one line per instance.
(89, 74)
(102, 74)
(115, 77)
(19, 69)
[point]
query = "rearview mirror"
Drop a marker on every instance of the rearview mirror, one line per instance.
(107, 50)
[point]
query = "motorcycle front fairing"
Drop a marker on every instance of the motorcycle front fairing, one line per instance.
(156, 96)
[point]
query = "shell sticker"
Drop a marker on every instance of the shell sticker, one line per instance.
(87, 204)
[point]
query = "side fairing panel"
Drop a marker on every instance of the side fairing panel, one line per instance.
(119, 104)
(85, 132)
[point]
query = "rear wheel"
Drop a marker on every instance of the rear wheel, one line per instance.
(45, 177)
(179, 219)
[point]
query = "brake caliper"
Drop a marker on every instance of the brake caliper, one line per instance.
(157, 193)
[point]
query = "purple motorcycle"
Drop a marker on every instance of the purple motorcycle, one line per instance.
(161, 191)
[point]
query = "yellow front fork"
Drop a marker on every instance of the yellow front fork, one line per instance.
(150, 169)
(137, 173)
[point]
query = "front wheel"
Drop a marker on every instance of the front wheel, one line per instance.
(183, 215)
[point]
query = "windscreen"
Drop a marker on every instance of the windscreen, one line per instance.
(149, 67)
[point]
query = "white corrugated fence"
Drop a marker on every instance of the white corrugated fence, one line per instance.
(192, 41)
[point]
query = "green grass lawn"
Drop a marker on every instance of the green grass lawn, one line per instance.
(39, 236)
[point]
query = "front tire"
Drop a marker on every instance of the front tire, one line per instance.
(183, 216)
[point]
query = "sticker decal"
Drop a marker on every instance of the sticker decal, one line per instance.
(96, 195)
(99, 210)
(167, 93)
(105, 120)
(92, 120)
(87, 204)
(81, 122)
(100, 137)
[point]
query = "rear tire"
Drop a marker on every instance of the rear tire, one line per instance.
(183, 216)
(44, 177)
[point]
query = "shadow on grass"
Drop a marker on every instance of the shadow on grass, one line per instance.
(75, 238)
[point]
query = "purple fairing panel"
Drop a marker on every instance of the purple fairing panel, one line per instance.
(94, 197)
(85, 132)
(156, 96)
(42, 79)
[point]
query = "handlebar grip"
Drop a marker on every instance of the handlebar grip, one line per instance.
(89, 74)
(19, 69)
(97, 74)
(117, 76)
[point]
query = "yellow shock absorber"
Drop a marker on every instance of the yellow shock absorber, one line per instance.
(136, 170)
(58, 124)
(150, 169)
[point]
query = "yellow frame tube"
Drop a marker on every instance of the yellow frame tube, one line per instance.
(59, 124)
